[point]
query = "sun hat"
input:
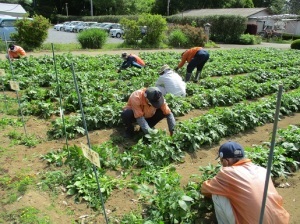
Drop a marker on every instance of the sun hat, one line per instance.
(155, 97)
(231, 150)
(124, 55)
(11, 46)
(163, 68)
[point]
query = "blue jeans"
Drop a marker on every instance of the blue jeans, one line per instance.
(128, 119)
(198, 61)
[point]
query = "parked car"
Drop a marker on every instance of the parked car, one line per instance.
(83, 26)
(7, 26)
(71, 26)
(108, 27)
(98, 25)
(63, 28)
(118, 33)
(59, 27)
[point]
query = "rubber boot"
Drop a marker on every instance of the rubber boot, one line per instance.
(188, 76)
(197, 76)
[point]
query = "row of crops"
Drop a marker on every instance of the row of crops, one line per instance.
(238, 91)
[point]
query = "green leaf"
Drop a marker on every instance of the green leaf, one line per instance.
(183, 205)
(186, 198)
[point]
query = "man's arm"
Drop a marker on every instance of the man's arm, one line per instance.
(171, 122)
(183, 60)
(143, 124)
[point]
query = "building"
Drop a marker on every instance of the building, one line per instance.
(260, 16)
(246, 12)
(15, 10)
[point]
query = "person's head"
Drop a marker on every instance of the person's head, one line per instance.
(11, 47)
(163, 69)
(124, 55)
(154, 97)
(230, 153)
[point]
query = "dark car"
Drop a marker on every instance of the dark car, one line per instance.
(108, 27)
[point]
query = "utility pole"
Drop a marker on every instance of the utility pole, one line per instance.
(91, 7)
(67, 9)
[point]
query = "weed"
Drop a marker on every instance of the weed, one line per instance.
(21, 139)
(27, 215)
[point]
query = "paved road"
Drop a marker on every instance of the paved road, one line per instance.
(63, 37)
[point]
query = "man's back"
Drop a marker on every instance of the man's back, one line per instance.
(243, 184)
(171, 82)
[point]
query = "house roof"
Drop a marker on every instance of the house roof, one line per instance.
(247, 12)
(12, 9)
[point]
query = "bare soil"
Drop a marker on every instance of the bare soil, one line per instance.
(18, 159)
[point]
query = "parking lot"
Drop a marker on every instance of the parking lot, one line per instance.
(67, 37)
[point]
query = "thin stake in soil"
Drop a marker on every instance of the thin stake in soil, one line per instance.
(60, 100)
(88, 139)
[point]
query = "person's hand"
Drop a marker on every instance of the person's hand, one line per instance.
(171, 133)
(176, 69)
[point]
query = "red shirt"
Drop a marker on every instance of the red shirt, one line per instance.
(188, 55)
(16, 52)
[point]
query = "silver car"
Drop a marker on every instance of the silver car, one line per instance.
(83, 26)
(59, 27)
(71, 26)
(118, 33)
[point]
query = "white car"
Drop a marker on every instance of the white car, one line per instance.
(59, 27)
(118, 33)
(71, 26)
(83, 26)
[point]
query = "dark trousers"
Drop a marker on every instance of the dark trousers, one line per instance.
(198, 61)
(128, 119)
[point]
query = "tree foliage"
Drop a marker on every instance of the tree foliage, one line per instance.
(156, 25)
(31, 33)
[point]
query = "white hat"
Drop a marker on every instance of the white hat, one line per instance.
(163, 68)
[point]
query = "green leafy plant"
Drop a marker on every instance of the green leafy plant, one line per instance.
(31, 33)
(22, 139)
(156, 25)
(177, 39)
(92, 38)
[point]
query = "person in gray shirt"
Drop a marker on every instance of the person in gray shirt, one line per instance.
(170, 82)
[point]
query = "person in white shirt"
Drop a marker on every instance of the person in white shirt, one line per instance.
(170, 82)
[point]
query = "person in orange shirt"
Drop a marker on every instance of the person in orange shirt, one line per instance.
(196, 57)
(237, 190)
(15, 52)
(147, 107)
(131, 60)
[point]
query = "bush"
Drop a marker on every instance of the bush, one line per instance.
(177, 38)
(156, 25)
(92, 38)
(195, 35)
(290, 36)
(295, 44)
(248, 39)
(31, 33)
(132, 32)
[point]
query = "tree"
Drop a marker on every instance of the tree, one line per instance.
(31, 33)
(294, 6)
(156, 25)
(278, 6)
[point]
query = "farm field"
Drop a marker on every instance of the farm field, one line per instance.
(45, 177)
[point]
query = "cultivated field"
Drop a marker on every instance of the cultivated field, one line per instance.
(46, 179)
